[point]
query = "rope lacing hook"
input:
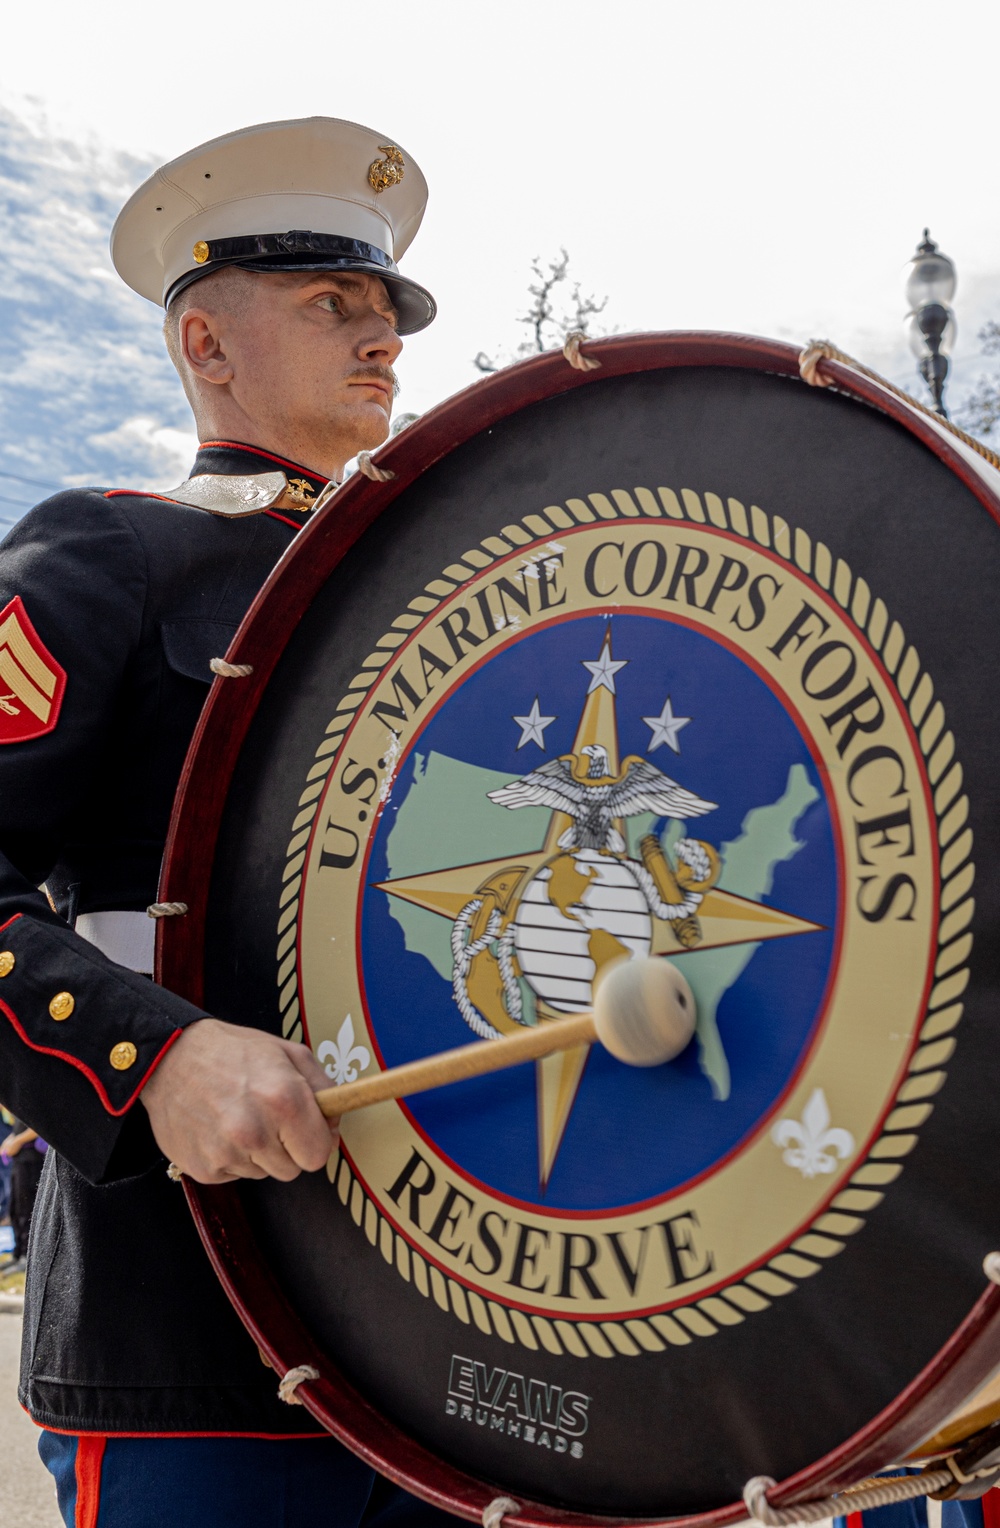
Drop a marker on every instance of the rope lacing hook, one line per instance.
(573, 354)
(499, 1508)
(291, 1382)
(230, 670)
(809, 359)
(368, 469)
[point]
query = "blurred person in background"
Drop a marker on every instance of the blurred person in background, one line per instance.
(25, 1151)
(6, 1125)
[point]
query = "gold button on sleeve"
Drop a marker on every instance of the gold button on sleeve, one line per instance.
(62, 1005)
(123, 1055)
(7, 962)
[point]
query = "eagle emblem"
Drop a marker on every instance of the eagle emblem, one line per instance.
(593, 796)
(31, 681)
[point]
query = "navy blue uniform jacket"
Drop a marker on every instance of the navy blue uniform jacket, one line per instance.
(126, 1329)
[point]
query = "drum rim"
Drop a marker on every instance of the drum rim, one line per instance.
(958, 1368)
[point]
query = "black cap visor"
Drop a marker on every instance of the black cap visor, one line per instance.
(415, 307)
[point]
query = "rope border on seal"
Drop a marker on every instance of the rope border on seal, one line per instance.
(846, 1214)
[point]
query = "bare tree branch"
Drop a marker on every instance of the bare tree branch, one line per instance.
(547, 321)
(980, 412)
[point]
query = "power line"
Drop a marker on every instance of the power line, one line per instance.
(32, 482)
(19, 502)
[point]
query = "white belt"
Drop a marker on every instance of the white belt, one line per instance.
(126, 938)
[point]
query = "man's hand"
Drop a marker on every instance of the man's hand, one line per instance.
(227, 1102)
(11, 1146)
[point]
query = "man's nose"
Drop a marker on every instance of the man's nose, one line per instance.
(381, 342)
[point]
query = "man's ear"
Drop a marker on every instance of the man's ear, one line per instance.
(201, 346)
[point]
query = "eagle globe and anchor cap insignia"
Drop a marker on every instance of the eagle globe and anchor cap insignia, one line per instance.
(586, 751)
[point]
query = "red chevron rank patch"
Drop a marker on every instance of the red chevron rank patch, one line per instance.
(31, 681)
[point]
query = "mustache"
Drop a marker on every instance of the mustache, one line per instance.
(376, 373)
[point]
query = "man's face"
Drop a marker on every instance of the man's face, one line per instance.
(312, 356)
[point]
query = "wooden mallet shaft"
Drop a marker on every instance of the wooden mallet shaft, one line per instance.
(454, 1065)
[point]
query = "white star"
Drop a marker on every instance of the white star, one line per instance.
(533, 726)
(665, 728)
(604, 670)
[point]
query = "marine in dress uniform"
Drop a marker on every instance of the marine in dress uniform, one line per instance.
(113, 602)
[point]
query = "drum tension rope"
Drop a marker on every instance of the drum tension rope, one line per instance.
(166, 909)
(571, 350)
(291, 1382)
(965, 1475)
(368, 469)
(818, 351)
(499, 1508)
(230, 670)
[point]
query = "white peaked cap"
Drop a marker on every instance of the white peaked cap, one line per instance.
(311, 194)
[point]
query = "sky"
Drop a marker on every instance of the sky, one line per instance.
(765, 168)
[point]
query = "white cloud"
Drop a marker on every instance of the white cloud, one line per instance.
(158, 455)
(87, 393)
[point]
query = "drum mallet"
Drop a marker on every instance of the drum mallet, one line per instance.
(644, 1014)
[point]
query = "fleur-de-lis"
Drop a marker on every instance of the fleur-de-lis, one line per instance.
(811, 1145)
(342, 1054)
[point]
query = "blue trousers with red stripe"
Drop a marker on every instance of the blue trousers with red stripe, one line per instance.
(297, 1483)
(224, 1483)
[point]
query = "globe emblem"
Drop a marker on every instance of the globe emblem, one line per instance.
(576, 913)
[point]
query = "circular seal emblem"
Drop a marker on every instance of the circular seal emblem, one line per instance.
(509, 723)
(686, 734)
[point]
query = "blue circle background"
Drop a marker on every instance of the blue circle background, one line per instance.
(633, 1134)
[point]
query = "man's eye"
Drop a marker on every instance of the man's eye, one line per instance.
(332, 304)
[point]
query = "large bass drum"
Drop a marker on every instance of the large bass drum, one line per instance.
(676, 656)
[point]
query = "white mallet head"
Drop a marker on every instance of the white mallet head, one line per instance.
(644, 1010)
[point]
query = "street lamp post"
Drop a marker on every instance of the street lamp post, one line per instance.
(930, 323)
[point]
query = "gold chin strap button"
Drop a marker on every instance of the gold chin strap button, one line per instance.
(62, 1005)
(201, 252)
(123, 1055)
(7, 962)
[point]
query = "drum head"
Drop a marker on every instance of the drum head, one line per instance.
(680, 657)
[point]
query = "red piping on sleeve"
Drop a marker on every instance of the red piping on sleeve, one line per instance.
(81, 1066)
(9, 922)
